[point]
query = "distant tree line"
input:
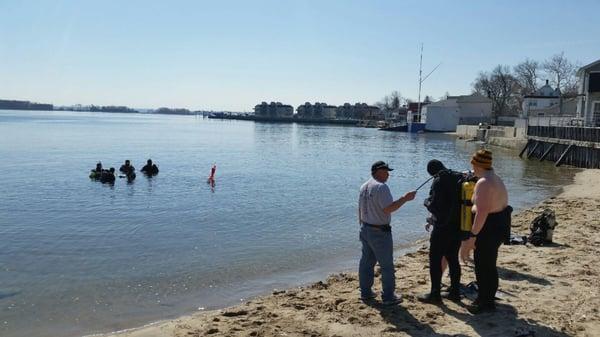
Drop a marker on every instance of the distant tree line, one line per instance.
(507, 86)
(24, 105)
(110, 108)
(171, 111)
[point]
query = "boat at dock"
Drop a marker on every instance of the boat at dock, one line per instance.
(398, 127)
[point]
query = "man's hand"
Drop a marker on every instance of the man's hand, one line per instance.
(465, 250)
(398, 203)
(468, 244)
(410, 195)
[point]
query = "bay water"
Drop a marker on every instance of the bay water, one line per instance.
(79, 257)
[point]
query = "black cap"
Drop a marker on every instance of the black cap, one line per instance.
(380, 165)
(435, 166)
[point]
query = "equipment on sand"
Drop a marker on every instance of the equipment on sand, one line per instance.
(542, 228)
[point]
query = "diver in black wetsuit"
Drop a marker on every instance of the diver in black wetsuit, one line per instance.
(150, 169)
(108, 176)
(128, 170)
(444, 205)
(97, 172)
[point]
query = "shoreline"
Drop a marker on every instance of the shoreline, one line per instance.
(548, 291)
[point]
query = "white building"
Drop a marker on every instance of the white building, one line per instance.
(543, 100)
(588, 106)
(446, 114)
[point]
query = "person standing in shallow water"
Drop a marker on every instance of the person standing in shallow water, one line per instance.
(491, 226)
(150, 169)
(128, 170)
(375, 206)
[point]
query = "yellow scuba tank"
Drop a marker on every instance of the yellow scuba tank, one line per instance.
(466, 217)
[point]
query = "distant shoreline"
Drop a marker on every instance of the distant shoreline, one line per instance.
(205, 113)
(219, 115)
(287, 119)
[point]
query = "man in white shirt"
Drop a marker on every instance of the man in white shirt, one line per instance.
(375, 208)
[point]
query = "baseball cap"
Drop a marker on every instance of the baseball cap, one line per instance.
(380, 165)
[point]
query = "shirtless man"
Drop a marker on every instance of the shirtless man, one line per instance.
(491, 226)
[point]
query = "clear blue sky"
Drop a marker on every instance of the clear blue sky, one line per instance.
(231, 55)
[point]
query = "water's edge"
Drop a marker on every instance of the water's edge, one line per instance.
(318, 275)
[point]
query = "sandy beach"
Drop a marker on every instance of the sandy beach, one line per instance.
(552, 290)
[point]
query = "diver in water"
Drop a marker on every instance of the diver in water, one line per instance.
(150, 169)
(97, 172)
(128, 170)
(108, 176)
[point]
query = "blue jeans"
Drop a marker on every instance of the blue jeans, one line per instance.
(377, 246)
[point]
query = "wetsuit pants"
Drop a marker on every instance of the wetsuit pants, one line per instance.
(444, 243)
(489, 239)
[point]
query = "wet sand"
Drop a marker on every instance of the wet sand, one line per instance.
(546, 291)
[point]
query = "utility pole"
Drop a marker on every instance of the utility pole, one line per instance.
(420, 82)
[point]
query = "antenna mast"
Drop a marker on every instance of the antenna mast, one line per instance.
(420, 82)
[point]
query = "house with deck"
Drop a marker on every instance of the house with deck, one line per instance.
(588, 105)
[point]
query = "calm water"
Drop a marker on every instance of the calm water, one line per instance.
(78, 257)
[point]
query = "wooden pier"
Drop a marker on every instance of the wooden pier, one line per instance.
(564, 145)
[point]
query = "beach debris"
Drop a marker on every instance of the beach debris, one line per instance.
(234, 313)
(319, 285)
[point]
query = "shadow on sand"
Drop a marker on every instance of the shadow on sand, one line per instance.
(502, 323)
(513, 275)
(404, 321)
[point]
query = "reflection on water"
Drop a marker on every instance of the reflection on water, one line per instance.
(80, 257)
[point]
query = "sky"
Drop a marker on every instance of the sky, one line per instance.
(232, 55)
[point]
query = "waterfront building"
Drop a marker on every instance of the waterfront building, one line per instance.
(273, 109)
(395, 114)
(541, 102)
(446, 114)
(588, 105)
(318, 110)
(359, 111)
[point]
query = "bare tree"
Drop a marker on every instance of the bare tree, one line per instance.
(526, 73)
(392, 101)
(396, 99)
(384, 103)
(501, 87)
(561, 72)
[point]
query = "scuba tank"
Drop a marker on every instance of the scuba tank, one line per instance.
(466, 217)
